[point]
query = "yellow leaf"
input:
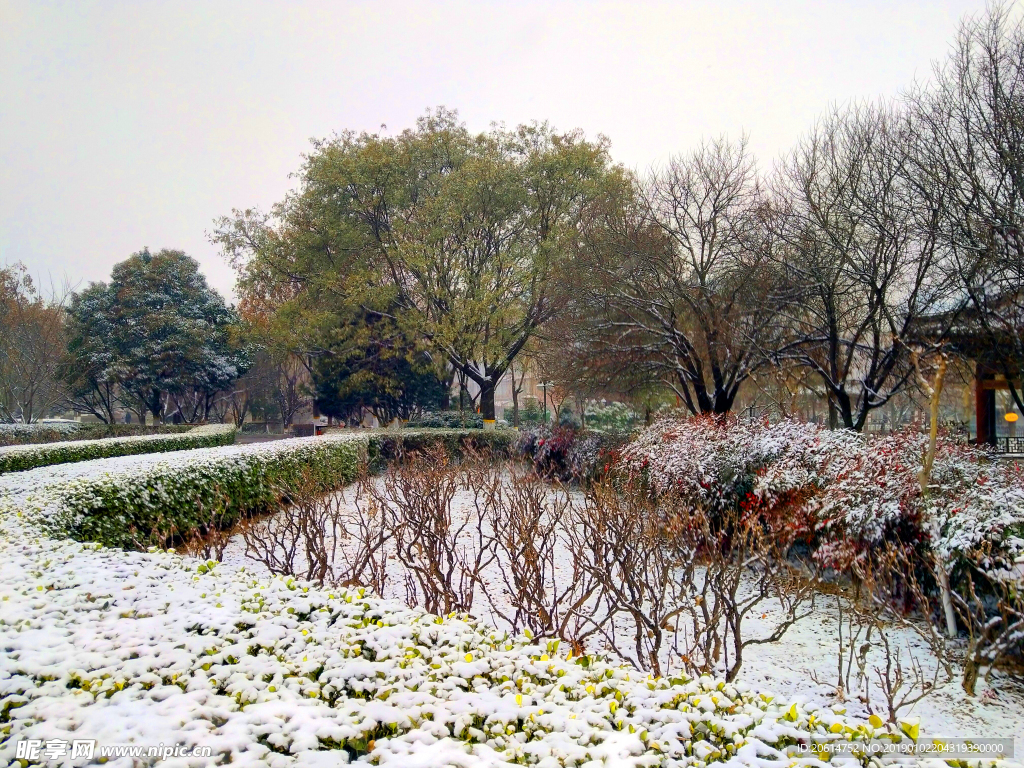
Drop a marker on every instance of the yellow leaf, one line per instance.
(911, 727)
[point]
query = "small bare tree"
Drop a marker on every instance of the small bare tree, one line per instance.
(302, 539)
(444, 551)
(885, 599)
(527, 517)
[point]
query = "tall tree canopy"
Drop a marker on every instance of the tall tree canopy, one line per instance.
(459, 234)
(857, 234)
(969, 131)
(31, 347)
(157, 330)
(677, 279)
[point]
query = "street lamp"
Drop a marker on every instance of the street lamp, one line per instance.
(544, 385)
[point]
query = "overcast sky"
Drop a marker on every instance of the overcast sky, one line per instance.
(130, 124)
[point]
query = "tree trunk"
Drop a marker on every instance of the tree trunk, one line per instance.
(446, 392)
(924, 477)
(487, 402)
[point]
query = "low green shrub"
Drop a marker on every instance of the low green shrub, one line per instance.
(387, 445)
(18, 458)
(157, 500)
(66, 431)
(451, 420)
(174, 496)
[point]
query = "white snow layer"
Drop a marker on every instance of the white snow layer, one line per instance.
(150, 648)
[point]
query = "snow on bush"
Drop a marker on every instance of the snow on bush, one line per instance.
(719, 463)
(136, 501)
(18, 458)
(874, 492)
(147, 648)
(566, 453)
(150, 647)
(849, 492)
(40, 426)
(91, 431)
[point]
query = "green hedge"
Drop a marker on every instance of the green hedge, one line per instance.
(171, 498)
(176, 495)
(388, 445)
(22, 457)
(40, 433)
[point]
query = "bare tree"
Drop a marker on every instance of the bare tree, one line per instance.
(679, 282)
(291, 390)
(859, 243)
(970, 138)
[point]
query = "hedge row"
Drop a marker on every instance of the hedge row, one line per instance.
(169, 497)
(386, 446)
(17, 458)
(62, 431)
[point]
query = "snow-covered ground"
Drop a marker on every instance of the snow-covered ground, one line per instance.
(151, 648)
(802, 664)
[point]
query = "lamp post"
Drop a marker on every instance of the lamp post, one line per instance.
(544, 385)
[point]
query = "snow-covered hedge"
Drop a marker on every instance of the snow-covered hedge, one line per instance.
(54, 432)
(151, 648)
(17, 458)
(848, 492)
(150, 499)
(37, 431)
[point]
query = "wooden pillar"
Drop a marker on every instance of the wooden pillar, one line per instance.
(980, 417)
(984, 409)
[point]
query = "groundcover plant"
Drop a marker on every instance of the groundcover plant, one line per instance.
(149, 647)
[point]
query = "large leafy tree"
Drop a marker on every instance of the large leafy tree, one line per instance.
(157, 330)
(461, 234)
(374, 366)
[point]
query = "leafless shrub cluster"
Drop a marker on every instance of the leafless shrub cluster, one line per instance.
(302, 540)
(657, 583)
(682, 580)
(528, 520)
(337, 538)
(444, 551)
(889, 599)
